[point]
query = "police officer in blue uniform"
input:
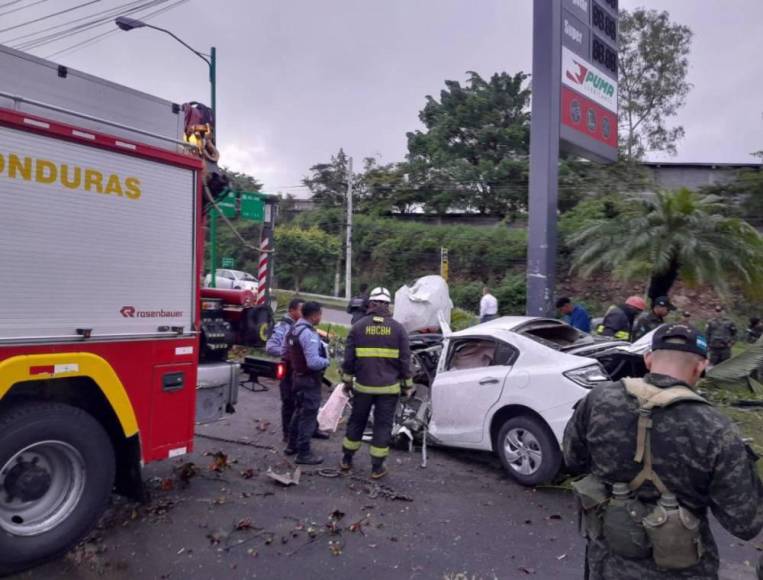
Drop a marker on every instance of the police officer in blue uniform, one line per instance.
(308, 359)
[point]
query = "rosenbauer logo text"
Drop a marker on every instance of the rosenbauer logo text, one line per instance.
(132, 312)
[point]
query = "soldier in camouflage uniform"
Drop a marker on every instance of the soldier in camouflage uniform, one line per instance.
(721, 335)
(696, 453)
(646, 322)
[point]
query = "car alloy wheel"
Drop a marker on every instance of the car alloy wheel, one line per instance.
(522, 451)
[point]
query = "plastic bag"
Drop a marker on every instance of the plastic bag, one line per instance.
(417, 306)
(330, 414)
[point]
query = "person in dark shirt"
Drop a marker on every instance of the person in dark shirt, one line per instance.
(358, 305)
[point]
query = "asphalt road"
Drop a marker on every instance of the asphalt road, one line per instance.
(465, 519)
(336, 316)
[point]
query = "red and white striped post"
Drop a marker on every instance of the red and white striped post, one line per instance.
(264, 269)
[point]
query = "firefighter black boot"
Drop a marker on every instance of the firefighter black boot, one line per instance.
(346, 463)
(377, 468)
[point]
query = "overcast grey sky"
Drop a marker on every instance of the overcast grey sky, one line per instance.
(298, 79)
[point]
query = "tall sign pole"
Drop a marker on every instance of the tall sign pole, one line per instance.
(348, 257)
(574, 107)
(544, 157)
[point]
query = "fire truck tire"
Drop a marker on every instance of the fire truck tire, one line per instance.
(56, 476)
(264, 322)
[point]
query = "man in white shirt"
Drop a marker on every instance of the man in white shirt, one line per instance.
(488, 306)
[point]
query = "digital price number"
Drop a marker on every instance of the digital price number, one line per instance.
(605, 23)
(604, 56)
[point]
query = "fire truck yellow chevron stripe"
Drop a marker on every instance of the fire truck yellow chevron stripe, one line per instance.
(23, 368)
(366, 352)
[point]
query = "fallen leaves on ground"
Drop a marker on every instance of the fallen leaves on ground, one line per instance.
(220, 461)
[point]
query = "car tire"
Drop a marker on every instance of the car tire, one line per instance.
(68, 466)
(528, 450)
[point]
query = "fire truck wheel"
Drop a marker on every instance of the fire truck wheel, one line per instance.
(263, 324)
(56, 476)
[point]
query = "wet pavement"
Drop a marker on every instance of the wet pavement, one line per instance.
(460, 518)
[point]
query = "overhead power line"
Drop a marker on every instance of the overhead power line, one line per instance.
(10, 4)
(104, 18)
(36, 20)
(99, 37)
(23, 7)
(28, 37)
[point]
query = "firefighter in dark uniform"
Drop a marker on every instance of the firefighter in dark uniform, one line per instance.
(618, 321)
(721, 335)
(378, 357)
(646, 322)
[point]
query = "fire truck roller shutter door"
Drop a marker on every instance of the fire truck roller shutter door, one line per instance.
(76, 364)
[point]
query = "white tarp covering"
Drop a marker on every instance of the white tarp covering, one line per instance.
(417, 306)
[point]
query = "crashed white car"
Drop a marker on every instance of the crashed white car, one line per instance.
(509, 386)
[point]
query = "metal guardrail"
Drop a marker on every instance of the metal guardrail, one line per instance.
(344, 301)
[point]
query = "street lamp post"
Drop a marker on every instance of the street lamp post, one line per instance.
(127, 24)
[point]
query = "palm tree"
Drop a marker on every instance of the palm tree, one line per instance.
(676, 233)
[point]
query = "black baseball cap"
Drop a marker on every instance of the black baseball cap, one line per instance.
(681, 337)
(663, 301)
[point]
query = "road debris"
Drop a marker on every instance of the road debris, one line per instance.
(248, 473)
(220, 461)
(285, 479)
(185, 472)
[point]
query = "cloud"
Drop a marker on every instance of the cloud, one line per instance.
(249, 157)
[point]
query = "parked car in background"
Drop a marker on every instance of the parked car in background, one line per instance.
(510, 386)
(233, 279)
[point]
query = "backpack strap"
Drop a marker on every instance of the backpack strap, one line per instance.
(649, 397)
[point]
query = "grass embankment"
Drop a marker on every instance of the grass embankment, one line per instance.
(748, 419)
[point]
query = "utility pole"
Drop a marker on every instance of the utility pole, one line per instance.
(348, 256)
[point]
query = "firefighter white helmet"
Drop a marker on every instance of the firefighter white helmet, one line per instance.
(380, 294)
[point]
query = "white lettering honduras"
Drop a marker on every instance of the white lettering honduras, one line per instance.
(572, 32)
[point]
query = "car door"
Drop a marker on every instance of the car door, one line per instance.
(224, 279)
(469, 382)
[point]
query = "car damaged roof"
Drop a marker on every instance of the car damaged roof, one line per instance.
(507, 323)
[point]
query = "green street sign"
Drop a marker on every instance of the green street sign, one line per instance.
(227, 205)
(252, 207)
(228, 263)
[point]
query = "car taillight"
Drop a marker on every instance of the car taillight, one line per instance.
(280, 371)
(588, 376)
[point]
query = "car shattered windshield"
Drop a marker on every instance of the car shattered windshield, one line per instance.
(555, 334)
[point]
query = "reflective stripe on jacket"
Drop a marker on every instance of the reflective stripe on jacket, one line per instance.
(377, 355)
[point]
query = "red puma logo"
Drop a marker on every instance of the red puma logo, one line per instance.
(580, 76)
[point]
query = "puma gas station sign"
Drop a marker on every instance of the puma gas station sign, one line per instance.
(574, 108)
(588, 87)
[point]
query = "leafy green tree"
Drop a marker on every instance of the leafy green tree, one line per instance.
(679, 233)
(745, 191)
(241, 181)
(387, 188)
(328, 181)
(652, 87)
(475, 146)
(300, 252)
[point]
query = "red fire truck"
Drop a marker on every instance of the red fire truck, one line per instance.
(105, 339)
